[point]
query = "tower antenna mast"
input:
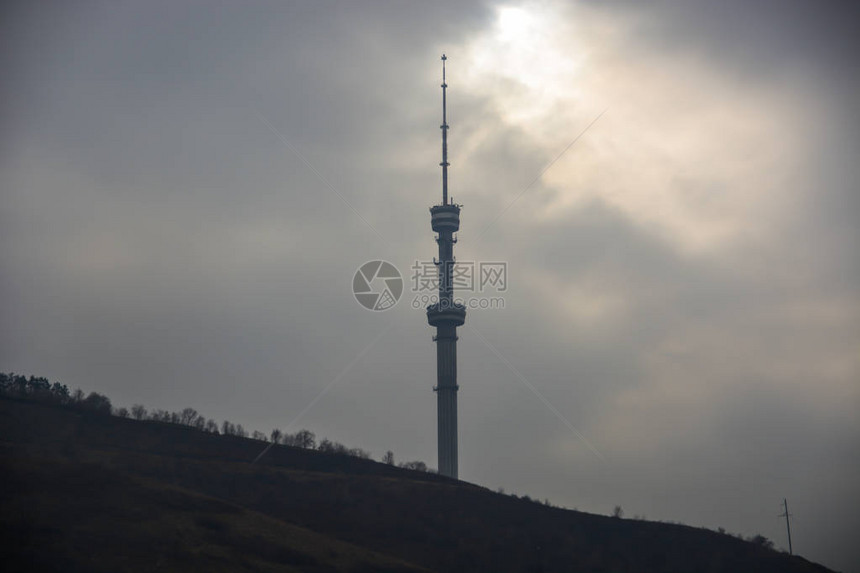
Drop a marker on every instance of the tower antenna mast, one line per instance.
(444, 128)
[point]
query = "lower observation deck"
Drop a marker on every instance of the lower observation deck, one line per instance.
(446, 315)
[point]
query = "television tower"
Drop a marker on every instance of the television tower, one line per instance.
(446, 315)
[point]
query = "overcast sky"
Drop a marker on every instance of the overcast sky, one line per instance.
(188, 188)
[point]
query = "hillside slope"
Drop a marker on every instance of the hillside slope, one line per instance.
(97, 493)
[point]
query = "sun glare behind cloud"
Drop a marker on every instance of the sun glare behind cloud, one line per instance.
(686, 151)
(520, 54)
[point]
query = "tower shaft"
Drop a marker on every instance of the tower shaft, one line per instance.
(446, 399)
(446, 314)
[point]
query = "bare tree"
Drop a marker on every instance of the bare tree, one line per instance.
(358, 453)
(188, 416)
(258, 435)
(276, 436)
(304, 439)
(138, 412)
(388, 458)
(328, 446)
(160, 415)
(760, 539)
(416, 465)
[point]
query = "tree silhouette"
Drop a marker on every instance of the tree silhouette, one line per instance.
(417, 465)
(138, 412)
(304, 439)
(258, 435)
(188, 416)
(97, 403)
(42, 390)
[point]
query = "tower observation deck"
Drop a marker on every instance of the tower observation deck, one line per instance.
(446, 315)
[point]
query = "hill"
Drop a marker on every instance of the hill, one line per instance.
(84, 491)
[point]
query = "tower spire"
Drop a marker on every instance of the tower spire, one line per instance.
(444, 127)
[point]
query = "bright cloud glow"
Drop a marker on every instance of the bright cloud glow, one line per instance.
(521, 57)
(692, 154)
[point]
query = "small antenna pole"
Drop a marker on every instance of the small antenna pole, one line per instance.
(444, 126)
(786, 515)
